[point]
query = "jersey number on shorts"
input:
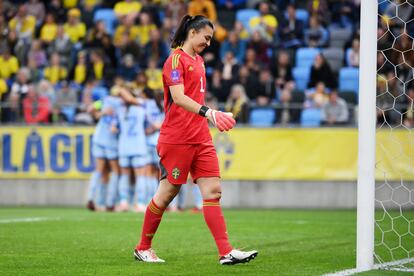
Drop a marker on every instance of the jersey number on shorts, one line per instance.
(201, 85)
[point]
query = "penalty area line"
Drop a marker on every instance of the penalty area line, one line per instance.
(33, 219)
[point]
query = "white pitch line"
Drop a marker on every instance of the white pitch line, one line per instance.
(34, 219)
(377, 266)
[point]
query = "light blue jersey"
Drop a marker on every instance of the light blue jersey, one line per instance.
(154, 116)
(132, 140)
(103, 135)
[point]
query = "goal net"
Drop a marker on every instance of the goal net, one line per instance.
(394, 165)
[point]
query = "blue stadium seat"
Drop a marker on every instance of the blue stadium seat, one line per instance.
(245, 15)
(262, 117)
(348, 56)
(302, 15)
(107, 16)
(349, 79)
(311, 117)
(301, 76)
(306, 56)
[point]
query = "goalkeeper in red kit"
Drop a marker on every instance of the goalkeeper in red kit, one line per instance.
(185, 144)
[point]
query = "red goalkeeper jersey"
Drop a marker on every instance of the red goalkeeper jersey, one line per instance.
(181, 126)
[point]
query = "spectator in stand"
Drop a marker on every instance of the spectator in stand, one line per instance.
(284, 114)
(129, 46)
(238, 103)
(59, 12)
(140, 83)
(235, 45)
(128, 69)
(316, 36)
(345, 13)
(37, 54)
(203, 7)
(62, 46)
(252, 63)
(66, 102)
(249, 82)
(36, 73)
(167, 29)
(383, 65)
(266, 23)
(24, 25)
(321, 72)
(48, 31)
(88, 11)
(74, 28)
(98, 68)
(36, 107)
(9, 65)
(127, 26)
(403, 50)
(241, 31)
(291, 29)
(319, 8)
(282, 71)
(385, 101)
(110, 51)
(127, 8)
(145, 27)
(175, 10)
(260, 47)
(408, 119)
(155, 49)
(354, 53)
(229, 71)
(266, 90)
(37, 9)
(95, 35)
(335, 111)
(216, 85)
(318, 97)
(154, 76)
(47, 90)
(55, 72)
(79, 72)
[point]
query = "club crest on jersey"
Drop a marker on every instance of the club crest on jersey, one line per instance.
(175, 173)
(190, 68)
(175, 75)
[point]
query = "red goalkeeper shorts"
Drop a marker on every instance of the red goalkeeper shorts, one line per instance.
(176, 161)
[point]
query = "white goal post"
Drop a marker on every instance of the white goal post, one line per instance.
(366, 136)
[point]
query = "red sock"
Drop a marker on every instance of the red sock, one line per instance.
(215, 221)
(152, 219)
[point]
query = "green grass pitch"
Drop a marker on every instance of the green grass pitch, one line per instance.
(70, 241)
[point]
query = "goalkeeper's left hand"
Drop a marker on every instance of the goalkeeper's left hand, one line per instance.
(223, 121)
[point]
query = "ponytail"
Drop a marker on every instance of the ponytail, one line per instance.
(187, 23)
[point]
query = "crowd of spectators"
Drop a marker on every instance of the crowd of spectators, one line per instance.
(57, 57)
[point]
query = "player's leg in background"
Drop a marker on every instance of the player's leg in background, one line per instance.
(198, 199)
(112, 191)
(140, 189)
(96, 177)
(210, 189)
(103, 187)
(123, 187)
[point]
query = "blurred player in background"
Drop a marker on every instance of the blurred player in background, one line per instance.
(105, 150)
(185, 144)
(156, 117)
(132, 154)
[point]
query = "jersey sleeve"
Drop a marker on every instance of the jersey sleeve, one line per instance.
(173, 72)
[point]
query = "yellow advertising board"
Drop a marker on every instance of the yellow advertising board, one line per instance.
(244, 153)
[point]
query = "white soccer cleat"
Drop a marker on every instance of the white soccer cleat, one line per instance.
(237, 256)
(123, 206)
(139, 208)
(147, 256)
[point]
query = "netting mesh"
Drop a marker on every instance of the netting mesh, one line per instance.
(394, 226)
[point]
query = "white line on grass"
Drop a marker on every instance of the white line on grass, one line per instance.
(18, 220)
(387, 266)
